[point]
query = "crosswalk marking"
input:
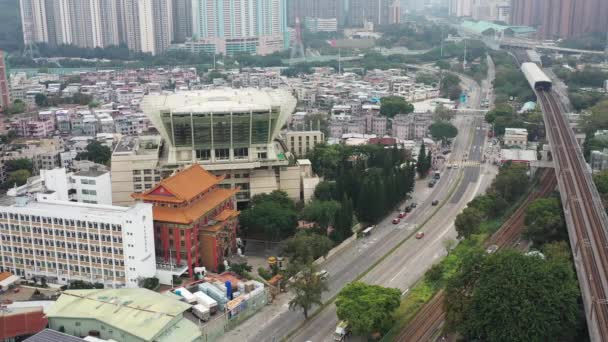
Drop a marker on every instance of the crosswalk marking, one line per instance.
(468, 163)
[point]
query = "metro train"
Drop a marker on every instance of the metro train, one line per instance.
(537, 79)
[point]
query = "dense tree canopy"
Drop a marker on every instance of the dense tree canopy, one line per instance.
(368, 308)
(508, 296)
(323, 213)
(393, 105)
(545, 221)
(96, 152)
(271, 216)
(304, 248)
(443, 130)
(373, 178)
(467, 222)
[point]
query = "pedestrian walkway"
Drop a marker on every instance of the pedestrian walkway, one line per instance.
(468, 163)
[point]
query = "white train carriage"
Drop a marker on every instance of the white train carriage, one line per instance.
(537, 79)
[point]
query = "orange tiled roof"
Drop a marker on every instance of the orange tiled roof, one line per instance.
(194, 211)
(5, 275)
(182, 186)
(226, 214)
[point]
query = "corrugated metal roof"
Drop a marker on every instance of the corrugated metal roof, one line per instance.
(48, 335)
(139, 312)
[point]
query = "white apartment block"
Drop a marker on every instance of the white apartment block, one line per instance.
(65, 241)
(301, 142)
(91, 186)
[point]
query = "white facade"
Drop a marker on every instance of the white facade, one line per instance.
(65, 241)
(91, 186)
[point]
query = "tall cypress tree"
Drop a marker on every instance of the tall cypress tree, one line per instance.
(422, 161)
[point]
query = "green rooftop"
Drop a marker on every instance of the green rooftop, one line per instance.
(145, 314)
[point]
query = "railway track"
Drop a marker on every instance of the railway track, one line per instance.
(590, 242)
(428, 320)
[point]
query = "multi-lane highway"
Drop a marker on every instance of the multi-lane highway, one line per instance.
(358, 257)
(407, 264)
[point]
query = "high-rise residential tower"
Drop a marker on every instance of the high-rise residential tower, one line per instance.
(182, 20)
(561, 18)
(34, 21)
(232, 26)
(147, 25)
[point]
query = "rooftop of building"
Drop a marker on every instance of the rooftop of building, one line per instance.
(49, 335)
(140, 312)
(181, 187)
(516, 131)
(91, 172)
(57, 208)
(138, 145)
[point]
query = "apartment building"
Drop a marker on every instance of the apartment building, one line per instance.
(65, 241)
(301, 142)
(89, 185)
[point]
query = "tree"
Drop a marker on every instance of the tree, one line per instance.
(150, 283)
(323, 213)
(450, 86)
(511, 182)
(272, 216)
(545, 221)
(19, 164)
(304, 248)
(443, 130)
(307, 288)
(443, 113)
(367, 308)
(422, 164)
(96, 152)
(325, 190)
(532, 299)
(467, 223)
(18, 178)
(393, 105)
(41, 100)
(343, 224)
(241, 269)
(17, 107)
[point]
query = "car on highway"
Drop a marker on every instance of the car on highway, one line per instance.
(396, 220)
(402, 214)
(435, 202)
(413, 205)
(419, 235)
(408, 209)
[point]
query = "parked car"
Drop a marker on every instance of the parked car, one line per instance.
(396, 220)
(402, 214)
(435, 202)
(419, 235)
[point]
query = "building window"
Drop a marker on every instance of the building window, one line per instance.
(147, 172)
(222, 153)
(137, 179)
(241, 153)
(203, 154)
